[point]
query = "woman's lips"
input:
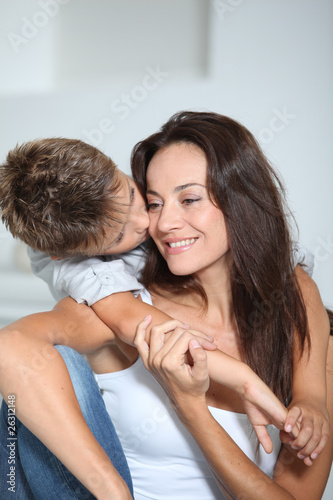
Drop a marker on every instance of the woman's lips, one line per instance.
(174, 247)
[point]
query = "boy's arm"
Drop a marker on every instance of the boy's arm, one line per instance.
(309, 387)
(122, 312)
(106, 284)
(93, 280)
(309, 376)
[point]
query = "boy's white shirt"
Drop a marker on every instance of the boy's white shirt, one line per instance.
(90, 279)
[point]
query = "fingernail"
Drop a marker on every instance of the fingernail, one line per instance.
(186, 326)
(314, 456)
(288, 428)
(301, 456)
(294, 447)
(148, 316)
(195, 344)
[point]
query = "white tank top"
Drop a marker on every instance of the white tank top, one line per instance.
(164, 459)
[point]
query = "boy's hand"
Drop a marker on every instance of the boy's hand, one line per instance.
(264, 408)
(313, 420)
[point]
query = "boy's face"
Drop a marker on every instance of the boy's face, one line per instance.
(135, 230)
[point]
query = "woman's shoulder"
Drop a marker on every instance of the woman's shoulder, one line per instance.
(157, 297)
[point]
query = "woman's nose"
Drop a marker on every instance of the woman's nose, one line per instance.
(169, 218)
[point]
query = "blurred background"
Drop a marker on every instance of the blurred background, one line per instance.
(111, 72)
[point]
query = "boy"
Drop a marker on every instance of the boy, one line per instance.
(68, 200)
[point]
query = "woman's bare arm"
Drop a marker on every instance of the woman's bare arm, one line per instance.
(309, 377)
(296, 477)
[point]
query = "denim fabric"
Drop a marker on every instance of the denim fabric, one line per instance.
(38, 473)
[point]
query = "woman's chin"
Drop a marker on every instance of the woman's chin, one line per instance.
(179, 270)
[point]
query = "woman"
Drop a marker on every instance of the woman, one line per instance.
(217, 220)
(217, 251)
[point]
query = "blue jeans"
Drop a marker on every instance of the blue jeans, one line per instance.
(28, 470)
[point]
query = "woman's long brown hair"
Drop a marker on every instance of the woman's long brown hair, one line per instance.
(267, 302)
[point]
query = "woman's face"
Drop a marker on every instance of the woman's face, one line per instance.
(188, 229)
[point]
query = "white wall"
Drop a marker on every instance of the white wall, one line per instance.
(70, 67)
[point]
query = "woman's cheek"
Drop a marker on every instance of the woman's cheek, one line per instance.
(152, 224)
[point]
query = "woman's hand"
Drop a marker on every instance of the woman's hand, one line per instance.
(314, 429)
(179, 364)
(177, 360)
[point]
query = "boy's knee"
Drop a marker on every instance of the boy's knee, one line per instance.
(74, 360)
(77, 366)
(80, 372)
(68, 354)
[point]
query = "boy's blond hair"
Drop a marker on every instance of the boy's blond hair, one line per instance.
(59, 195)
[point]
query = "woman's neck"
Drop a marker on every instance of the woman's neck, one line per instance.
(216, 284)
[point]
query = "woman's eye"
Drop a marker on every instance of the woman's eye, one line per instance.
(190, 201)
(153, 206)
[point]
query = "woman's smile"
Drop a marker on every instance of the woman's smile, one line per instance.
(178, 246)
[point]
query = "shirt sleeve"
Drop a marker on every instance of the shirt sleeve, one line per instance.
(135, 259)
(42, 266)
(90, 280)
(86, 280)
(303, 257)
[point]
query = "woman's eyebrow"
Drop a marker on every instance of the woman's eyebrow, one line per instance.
(177, 189)
(185, 186)
(150, 191)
